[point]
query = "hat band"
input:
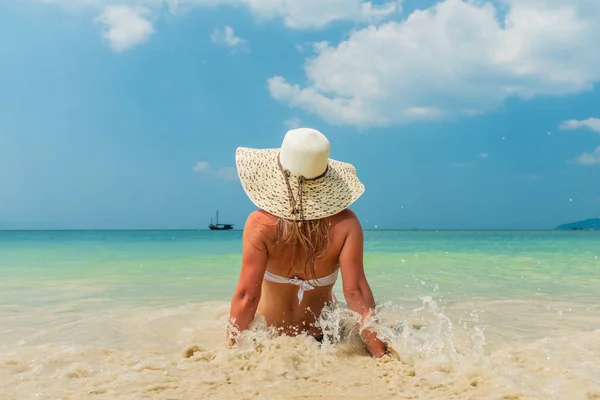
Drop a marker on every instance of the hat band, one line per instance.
(297, 209)
(306, 179)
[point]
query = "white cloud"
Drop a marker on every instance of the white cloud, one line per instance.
(227, 173)
(587, 158)
(590, 123)
(223, 173)
(100, 4)
(458, 57)
(483, 155)
(303, 14)
(297, 14)
(201, 166)
(226, 37)
(592, 158)
(292, 123)
(127, 24)
(125, 27)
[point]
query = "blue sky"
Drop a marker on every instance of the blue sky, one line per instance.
(126, 114)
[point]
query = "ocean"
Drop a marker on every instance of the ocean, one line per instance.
(141, 315)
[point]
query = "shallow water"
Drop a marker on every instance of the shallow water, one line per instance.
(141, 315)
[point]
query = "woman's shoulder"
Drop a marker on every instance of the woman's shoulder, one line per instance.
(260, 220)
(346, 217)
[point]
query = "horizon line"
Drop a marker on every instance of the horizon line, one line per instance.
(240, 230)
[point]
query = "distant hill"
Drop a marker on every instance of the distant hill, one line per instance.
(592, 224)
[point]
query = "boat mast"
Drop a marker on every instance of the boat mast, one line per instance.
(217, 217)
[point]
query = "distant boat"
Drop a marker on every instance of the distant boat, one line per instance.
(219, 227)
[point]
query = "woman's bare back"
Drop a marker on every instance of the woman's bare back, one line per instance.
(279, 301)
(263, 253)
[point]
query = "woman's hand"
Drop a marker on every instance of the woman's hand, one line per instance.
(355, 286)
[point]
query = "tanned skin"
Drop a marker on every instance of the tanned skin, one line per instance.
(277, 302)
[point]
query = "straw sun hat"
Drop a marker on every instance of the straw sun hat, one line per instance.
(298, 181)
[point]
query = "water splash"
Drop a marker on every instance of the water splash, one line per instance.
(180, 352)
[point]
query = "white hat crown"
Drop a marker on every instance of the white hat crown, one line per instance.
(304, 152)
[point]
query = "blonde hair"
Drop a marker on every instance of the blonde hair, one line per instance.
(309, 240)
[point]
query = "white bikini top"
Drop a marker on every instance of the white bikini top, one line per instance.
(303, 285)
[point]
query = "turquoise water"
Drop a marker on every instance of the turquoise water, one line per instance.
(190, 266)
(141, 314)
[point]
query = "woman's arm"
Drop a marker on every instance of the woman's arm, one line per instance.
(248, 290)
(356, 288)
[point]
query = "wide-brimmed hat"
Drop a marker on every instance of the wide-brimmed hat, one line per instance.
(298, 181)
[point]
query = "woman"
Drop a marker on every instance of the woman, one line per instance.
(301, 237)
